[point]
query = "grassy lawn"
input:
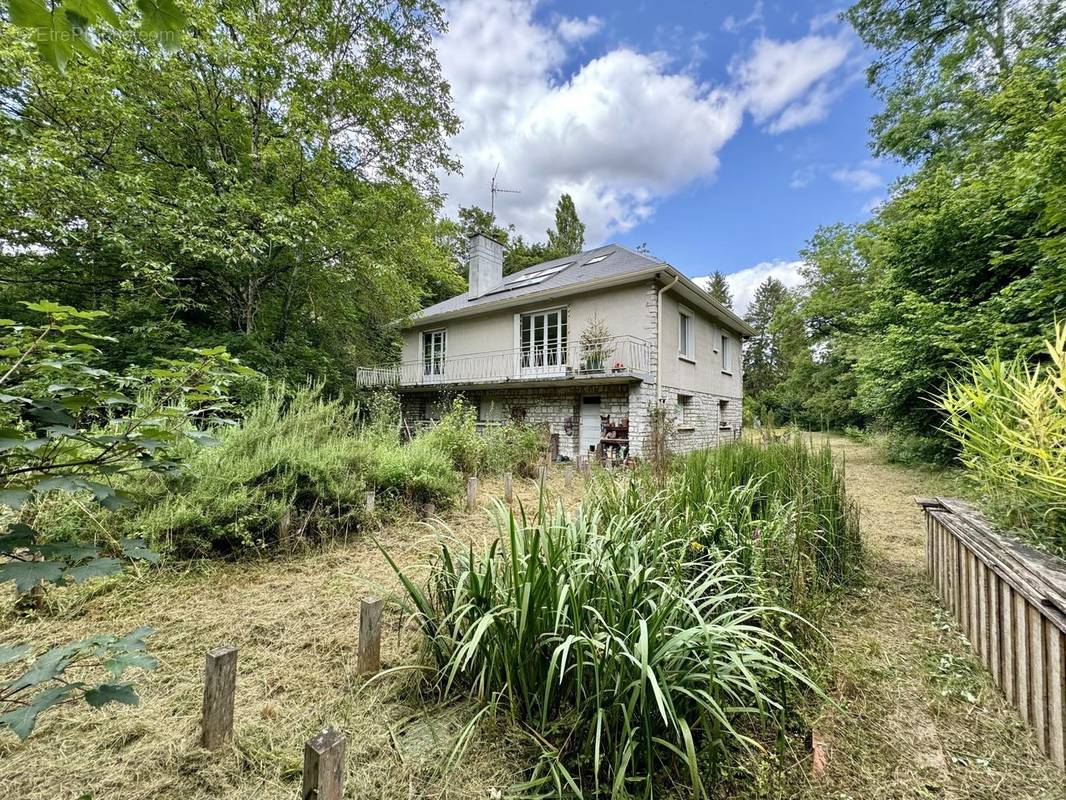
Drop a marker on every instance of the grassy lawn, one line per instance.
(916, 718)
(919, 716)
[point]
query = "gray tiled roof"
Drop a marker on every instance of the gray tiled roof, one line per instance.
(620, 260)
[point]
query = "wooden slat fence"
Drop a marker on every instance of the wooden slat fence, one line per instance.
(1011, 602)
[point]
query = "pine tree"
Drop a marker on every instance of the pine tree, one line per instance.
(763, 359)
(568, 235)
(718, 288)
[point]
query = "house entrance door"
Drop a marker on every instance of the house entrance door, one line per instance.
(589, 433)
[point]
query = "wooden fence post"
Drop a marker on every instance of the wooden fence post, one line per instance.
(508, 488)
(371, 501)
(324, 766)
(220, 683)
(568, 477)
(471, 494)
(370, 635)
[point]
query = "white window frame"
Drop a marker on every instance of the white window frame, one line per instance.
(727, 353)
(433, 366)
(686, 334)
(537, 364)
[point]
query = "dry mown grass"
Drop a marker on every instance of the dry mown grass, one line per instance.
(917, 716)
(295, 621)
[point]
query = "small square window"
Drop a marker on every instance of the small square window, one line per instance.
(686, 346)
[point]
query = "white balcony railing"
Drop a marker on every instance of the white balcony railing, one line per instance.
(617, 356)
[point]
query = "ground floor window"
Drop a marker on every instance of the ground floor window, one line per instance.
(685, 417)
(723, 415)
(492, 409)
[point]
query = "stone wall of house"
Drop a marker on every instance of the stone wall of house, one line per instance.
(699, 425)
(550, 406)
(701, 422)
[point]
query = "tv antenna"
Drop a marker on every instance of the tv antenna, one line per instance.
(495, 190)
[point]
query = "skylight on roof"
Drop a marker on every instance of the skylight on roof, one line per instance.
(546, 272)
(597, 259)
(532, 279)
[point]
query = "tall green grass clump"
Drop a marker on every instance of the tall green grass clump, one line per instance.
(781, 510)
(1009, 419)
(640, 663)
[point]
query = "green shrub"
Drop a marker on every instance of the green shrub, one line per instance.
(515, 447)
(296, 469)
(455, 435)
(1009, 418)
(628, 653)
(901, 447)
(511, 446)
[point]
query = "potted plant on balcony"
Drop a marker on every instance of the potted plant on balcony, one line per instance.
(595, 345)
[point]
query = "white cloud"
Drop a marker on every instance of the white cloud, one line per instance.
(859, 179)
(743, 283)
(786, 84)
(574, 29)
(624, 130)
(802, 177)
(732, 25)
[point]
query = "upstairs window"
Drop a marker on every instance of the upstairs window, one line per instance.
(686, 345)
(433, 347)
(727, 354)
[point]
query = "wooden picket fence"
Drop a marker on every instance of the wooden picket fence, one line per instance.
(1011, 602)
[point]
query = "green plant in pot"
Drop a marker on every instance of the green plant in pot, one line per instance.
(596, 345)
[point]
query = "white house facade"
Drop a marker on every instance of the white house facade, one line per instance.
(586, 345)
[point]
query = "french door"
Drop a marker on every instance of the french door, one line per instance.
(543, 348)
(434, 344)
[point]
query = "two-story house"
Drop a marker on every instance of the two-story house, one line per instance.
(588, 344)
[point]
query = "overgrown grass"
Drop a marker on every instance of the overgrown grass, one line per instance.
(781, 510)
(649, 637)
(295, 470)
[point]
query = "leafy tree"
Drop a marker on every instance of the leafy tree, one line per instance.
(473, 219)
(72, 427)
(718, 288)
(521, 254)
(60, 29)
(234, 191)
(568, 235)
(938, 59)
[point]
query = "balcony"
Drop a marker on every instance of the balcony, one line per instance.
(618, 359)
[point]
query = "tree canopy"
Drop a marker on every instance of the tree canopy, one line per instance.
(968, 255)
(235, 190)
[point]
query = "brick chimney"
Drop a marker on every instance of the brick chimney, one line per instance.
(484, 264)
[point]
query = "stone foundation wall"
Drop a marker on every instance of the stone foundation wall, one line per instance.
(549, 406)
(701, 425)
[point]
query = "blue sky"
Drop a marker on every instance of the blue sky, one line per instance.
(720, 133)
